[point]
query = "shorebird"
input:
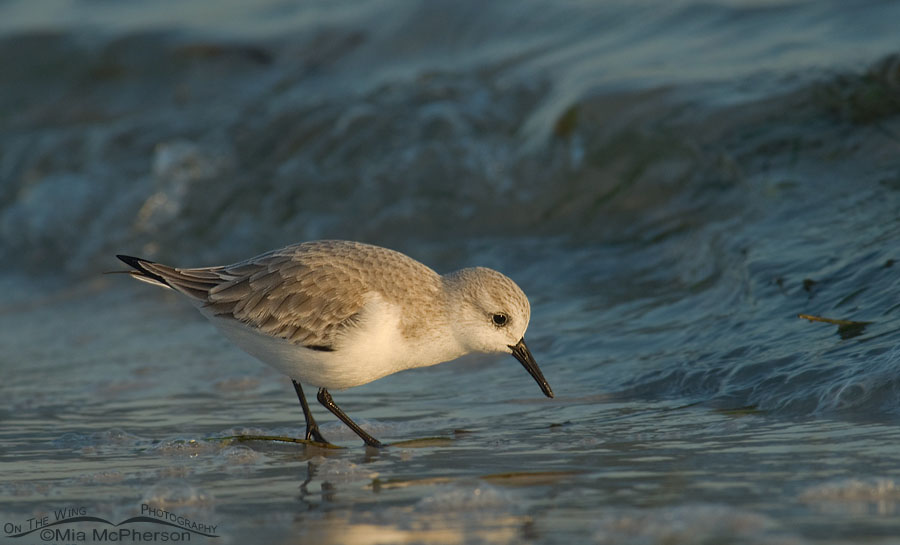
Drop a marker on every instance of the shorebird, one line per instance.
(337, 314)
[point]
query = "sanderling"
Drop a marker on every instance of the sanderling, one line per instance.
(337, 314)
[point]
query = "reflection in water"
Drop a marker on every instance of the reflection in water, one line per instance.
(879, 496)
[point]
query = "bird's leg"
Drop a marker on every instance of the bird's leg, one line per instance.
(312, 429)
(325, 399)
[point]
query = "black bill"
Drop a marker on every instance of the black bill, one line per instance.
(521, 353)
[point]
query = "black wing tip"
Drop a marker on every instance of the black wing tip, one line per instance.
(133, 261)
(138, 265)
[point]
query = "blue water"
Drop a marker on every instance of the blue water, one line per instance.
(671, 183)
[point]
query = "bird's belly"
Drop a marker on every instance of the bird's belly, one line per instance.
(335, 370)
(373, 349)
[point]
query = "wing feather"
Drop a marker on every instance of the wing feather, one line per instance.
(230, 292)
(300, 302)
(308, 294)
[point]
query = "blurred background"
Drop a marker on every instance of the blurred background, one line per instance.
(671, 183)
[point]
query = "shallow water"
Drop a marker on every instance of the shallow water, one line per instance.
(671, 183)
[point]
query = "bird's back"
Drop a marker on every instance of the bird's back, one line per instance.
(309, 293)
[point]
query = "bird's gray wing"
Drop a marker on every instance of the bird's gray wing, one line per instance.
(304, 301)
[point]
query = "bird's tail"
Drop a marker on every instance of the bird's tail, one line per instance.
(141, 273)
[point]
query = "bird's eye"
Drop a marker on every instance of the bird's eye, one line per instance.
(500, 319)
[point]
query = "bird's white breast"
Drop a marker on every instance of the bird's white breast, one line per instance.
(373, 348)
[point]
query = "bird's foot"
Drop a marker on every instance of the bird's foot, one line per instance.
(375, 443)
(314, 436)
